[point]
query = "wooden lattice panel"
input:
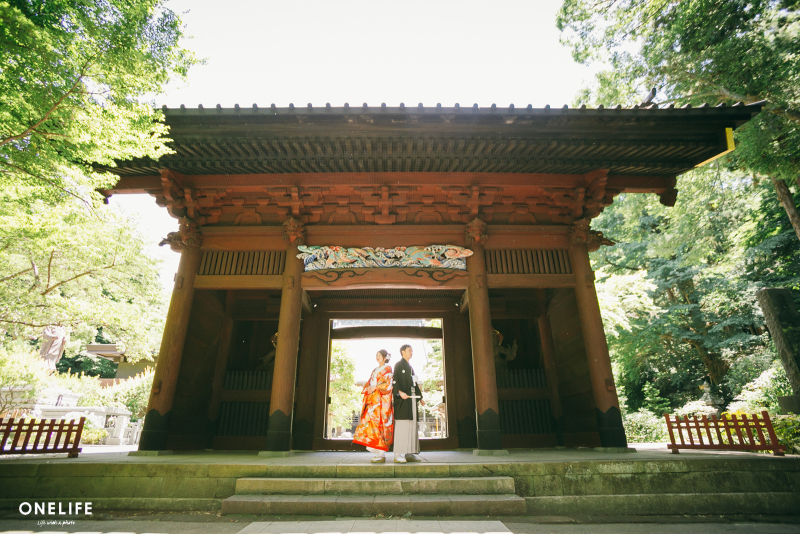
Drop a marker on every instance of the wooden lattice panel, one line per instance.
(243, 419)
(528, 262)
(242, 263)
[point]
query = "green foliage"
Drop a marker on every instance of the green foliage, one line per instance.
(131, 394)
(22, 376)
(677, 291)
(91, 434)
(345, 394)
(73, 77)
(695, 51)
(79, 268)
(763, 392)
(645, 427)
(88, 365)
(787, 428)
(22, 368)
(654, 402)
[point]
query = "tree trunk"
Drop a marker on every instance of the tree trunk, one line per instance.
(785, 196)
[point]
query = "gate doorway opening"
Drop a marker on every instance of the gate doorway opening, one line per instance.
(353, 347)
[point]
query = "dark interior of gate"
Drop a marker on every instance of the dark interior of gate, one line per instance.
(224, 385)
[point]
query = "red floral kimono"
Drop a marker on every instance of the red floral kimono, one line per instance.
(376, 426)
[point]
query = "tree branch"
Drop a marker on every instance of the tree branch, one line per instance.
(49, 112)
(49, 264)
(51, 182)
(15, 275)
(91, 271)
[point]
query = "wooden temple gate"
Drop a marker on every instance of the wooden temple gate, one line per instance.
(517, 187)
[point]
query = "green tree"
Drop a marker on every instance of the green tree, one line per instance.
(85, 270)
(73, 77)
(677, 290)
(345, 394)
(694, 51)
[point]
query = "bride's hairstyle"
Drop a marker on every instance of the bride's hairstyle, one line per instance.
(386, 356)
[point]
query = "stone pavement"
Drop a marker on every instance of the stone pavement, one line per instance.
(554, 525)
(638, 452)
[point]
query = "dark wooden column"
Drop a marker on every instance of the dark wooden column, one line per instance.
(609, 418)
(480, 324)
(303, 427)
(279, 432)
(223, 350)
(162, 394)
(464, 391)
(549, 360)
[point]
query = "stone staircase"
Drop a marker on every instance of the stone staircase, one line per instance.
(353, 497)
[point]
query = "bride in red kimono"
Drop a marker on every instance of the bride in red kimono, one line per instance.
(376, 427)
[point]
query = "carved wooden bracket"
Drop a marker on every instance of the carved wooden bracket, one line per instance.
(476, 232)
(582, 234)
(294, 231)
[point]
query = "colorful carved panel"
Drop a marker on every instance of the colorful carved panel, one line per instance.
(435, 256)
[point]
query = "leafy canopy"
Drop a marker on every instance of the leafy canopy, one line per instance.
(695, 51)
(677, 291)
(69, 266)
(72, 79)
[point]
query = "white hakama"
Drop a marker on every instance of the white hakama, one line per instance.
(406, 439)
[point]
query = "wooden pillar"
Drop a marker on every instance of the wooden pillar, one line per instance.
(279, 432)
(464, 391)
(223, 350)
(609, 418)
(549, 360)
(303, 427)
(480, 323)
(162, 394)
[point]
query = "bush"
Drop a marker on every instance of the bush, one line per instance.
(24, 373)
(92, 435)
(763, 392)
(697, 407)
(644, 427)
(132, 394)
(787, 428)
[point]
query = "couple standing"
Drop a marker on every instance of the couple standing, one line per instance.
(389, 413)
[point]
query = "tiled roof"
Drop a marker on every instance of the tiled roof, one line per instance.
(306, 139)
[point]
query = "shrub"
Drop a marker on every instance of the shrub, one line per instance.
(133, 394)
(696, 407)
(24, 373)
(92, 435)
(787, 428)
(763, 392)
(644, 427)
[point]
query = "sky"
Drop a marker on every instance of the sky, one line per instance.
(300, 52)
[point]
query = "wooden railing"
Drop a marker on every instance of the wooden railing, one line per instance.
(732, 434)
(32, 436)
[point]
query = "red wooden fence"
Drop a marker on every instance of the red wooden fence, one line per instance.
(31, 436)
(734, 434)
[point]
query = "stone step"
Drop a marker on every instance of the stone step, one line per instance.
(375, 486)
(373, 505)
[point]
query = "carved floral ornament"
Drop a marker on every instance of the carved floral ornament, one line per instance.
(431, 257)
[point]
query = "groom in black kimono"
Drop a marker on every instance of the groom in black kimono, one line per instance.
(406, 394)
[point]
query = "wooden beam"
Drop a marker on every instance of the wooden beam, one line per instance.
(385, 279)
(373, 332)
(238, 281)
(519, 281)
(464, 307)
(308, 306)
